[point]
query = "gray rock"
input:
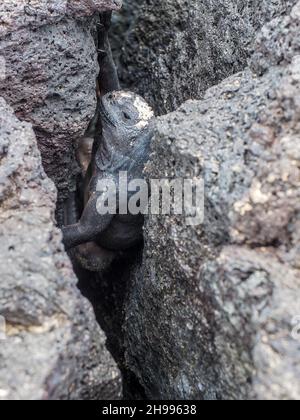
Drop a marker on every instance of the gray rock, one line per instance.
(20, 14)
(51, 67)
(175, 50)
(271, 49)
(211, 307)
(54, 349)
(122, 22)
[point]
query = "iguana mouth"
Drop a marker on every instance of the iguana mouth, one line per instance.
(105, 115)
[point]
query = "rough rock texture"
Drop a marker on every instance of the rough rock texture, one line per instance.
(54, 348)
(123, 22)
(51, 67)
(211, 307)
(176, 49)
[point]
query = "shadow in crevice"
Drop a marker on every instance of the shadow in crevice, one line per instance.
(107, 293)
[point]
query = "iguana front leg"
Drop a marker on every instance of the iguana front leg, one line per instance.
(90, 255)
(90, 225)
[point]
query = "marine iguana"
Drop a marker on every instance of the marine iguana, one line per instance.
(118, 139)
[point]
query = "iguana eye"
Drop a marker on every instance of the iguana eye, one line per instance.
(126, 116)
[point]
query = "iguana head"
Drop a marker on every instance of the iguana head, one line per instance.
(126, 120)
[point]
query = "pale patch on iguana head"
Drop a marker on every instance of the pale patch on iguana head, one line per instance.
(125, 117)
(126, 108)
(145, 112)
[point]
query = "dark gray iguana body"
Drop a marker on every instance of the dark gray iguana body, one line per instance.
(123, 130)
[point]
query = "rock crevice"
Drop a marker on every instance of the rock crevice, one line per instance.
(207, 313)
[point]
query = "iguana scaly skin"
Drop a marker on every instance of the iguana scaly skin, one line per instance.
(118, 139)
